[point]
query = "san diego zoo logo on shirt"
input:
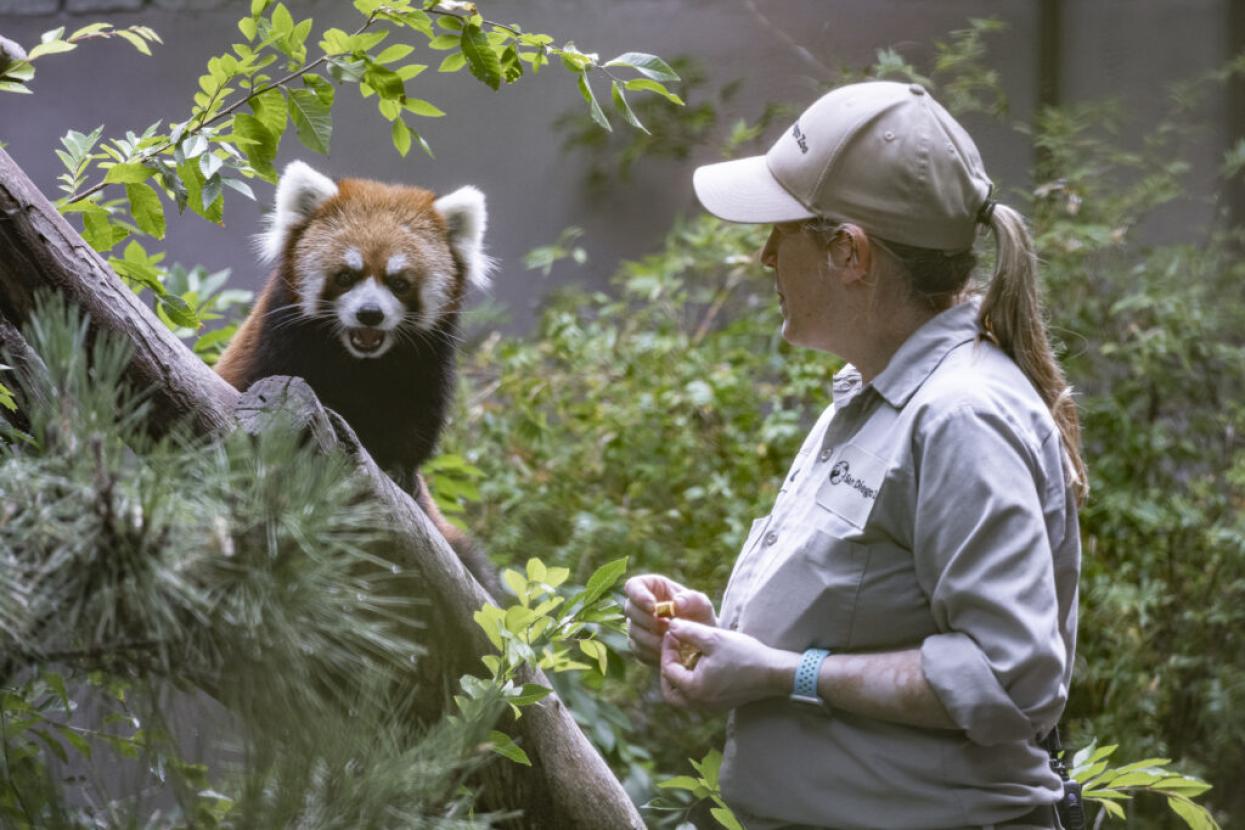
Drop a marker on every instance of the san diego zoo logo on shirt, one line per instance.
(841, 473)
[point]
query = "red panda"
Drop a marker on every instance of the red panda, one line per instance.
(363, 303)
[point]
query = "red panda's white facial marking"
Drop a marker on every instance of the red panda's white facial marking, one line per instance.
(368, 315)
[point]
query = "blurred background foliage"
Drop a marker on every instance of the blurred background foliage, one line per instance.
(655, 421)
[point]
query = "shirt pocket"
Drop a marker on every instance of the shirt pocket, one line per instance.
(850, 489)
(810, 599)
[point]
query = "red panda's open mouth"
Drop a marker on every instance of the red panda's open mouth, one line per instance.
(367, 340)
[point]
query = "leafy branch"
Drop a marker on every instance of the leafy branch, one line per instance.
(546, 631)
(1108, 786)
(17, 65)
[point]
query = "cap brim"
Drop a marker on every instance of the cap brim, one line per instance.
(745, 190)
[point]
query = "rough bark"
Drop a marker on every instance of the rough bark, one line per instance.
(568, 785)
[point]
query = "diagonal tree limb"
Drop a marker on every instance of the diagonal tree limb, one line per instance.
(568, 785)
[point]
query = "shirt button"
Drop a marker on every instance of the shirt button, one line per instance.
(825, 455)
(771, 538)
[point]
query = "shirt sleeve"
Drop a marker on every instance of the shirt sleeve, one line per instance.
(983, 558)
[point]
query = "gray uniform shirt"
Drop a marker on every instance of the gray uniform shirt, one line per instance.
(926, 510)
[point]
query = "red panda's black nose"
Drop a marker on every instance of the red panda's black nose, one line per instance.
(370, 315)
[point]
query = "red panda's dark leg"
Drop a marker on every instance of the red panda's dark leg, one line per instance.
(471, 554)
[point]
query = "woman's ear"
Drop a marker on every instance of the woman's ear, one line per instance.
(850, 253)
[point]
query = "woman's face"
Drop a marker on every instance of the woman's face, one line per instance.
(806, 292)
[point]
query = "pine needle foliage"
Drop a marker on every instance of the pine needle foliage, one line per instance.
(249, 568)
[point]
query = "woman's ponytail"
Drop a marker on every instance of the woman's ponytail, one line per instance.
(1011, 315)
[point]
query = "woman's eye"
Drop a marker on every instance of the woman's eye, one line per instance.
(343, 279)
(399, 285)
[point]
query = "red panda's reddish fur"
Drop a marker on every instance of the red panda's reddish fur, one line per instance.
(396, 402)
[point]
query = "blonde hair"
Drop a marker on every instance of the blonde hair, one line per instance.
(1011, 315)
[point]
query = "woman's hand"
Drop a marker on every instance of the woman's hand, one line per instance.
(644, 628)
(733, 668)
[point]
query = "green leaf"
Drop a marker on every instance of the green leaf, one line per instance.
(481, 59)
(726, 818)
(146, 208)
(197, 189)
(1195, 815)
(248, 27)
(452, 63)
(387, 83)
(650, 66)
(76, 740)
(682, 782)
(127, 173)
(596, 650)
(51, 47)
(282, 20)
(646, 85)
(503, 745)
(620, 104)
(598, 115)
(421, 107)
(1135, 779)
(99, 231)
(401, 135)
(531, 693)
(6, 398)
(603, 580)
(178, 311)
(536, 570)
(135, 41)
(410, 70)
(20, 71)
(442, 42)
(258, 143)
(14, 86)
(312, 119)
(89, 29)
(1188, 787)
(271, 109)
(394, 53)
(516, 582)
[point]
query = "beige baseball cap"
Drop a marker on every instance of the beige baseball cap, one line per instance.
(882, 154)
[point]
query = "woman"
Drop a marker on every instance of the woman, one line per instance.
(899, 630)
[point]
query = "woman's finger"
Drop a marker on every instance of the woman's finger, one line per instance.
(639, 618)
(645, 645)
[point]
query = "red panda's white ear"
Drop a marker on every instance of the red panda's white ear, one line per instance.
(465, 219)
(299, 192)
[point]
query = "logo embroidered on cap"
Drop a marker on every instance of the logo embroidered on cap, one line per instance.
(800, 138)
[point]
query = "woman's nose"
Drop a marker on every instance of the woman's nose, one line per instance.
(769, 253)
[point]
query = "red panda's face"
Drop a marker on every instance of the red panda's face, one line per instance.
(381, 263)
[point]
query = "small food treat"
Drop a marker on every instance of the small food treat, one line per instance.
(688, 654)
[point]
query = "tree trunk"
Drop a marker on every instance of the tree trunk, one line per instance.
(568, 785)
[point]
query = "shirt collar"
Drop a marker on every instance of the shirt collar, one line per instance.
(917, 358)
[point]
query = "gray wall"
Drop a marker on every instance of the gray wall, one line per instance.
(503, 141)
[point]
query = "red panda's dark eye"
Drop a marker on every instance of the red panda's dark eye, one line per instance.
(399, 285)
(343, 279)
